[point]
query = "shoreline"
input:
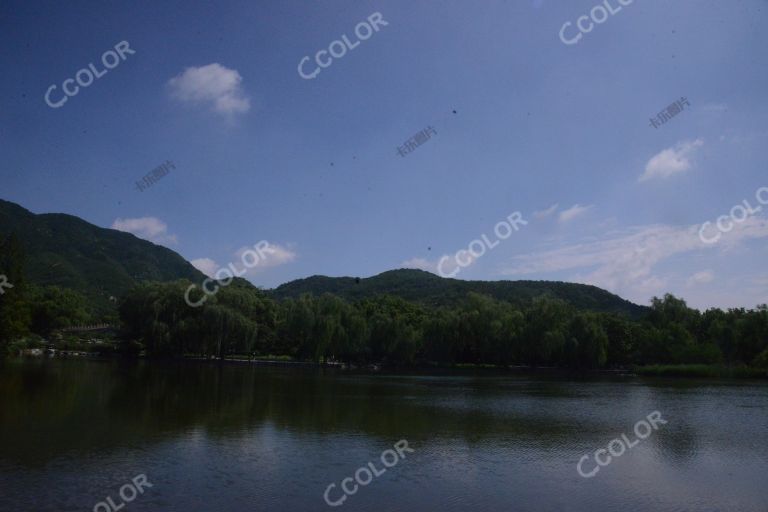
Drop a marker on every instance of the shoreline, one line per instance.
(678, 371)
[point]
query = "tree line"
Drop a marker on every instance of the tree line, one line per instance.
(241, 320)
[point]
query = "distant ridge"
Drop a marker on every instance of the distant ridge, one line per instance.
(103, 264)
(429, 289)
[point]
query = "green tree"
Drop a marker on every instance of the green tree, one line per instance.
(53, 307)
(14, 306)
(587, 342)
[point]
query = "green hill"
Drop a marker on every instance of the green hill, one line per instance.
(103, 264)
(100, 263)
(429, 289)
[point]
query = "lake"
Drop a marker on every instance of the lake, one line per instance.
(232, 437)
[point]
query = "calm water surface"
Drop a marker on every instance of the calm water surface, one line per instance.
(244, 438)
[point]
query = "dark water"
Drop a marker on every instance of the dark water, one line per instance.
(240, 438)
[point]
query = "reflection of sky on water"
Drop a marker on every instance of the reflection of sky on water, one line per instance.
(243, 438)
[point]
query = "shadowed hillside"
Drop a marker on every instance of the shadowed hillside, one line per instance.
(431, 290)
(66, 251)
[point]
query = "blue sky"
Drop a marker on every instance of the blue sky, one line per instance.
(311, 165)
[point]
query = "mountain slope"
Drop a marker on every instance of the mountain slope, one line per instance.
(429, 289)
(100, 263)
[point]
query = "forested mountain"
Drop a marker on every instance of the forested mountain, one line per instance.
(67, 272)
(431, 290)
(68, 252)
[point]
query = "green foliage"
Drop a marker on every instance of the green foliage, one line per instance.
(100, 264)
(588, 343)
(157, 316)
(430, 290)
(56, 308)
(479, 330)
(65, 271)
(761, 361)
(25, 342)
(14, 301)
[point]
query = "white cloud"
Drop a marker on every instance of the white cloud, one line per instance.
(671, 161)
(652, 285)
(715, 107)
(421, 264)
(259, 258)
(543, 214)
(213, 84)
(705, 276)
(205, 265)
(748, 138)
(271, 255)
(449, 266)
(148, 228)
(623, 261)
(573, 212)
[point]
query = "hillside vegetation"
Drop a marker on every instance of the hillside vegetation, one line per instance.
(67, 272)
(100, 264)
(430, 290)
